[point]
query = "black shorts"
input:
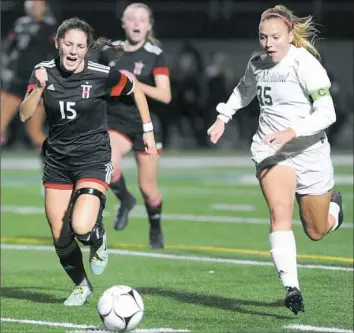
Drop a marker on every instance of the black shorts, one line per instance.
(65, 179)
(15, 87)
(133, 131)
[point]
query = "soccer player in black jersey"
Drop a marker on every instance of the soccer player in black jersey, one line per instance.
(30, 41)
(77, 152)
(144, 60)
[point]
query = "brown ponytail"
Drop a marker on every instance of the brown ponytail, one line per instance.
(101, 42)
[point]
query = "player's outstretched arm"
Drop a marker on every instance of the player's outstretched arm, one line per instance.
(141, 103)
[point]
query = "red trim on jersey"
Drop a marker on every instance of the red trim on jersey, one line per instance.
(30, 87)
(161, 71)
(93, 180)
(58, 186)
(117, 89)
(11, 36)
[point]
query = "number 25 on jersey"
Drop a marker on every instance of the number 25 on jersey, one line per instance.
(66, 110)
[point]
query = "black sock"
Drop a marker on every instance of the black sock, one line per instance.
(70, 257)
(119, 188)
(154, 214)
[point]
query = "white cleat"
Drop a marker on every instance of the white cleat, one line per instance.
(99, 257)
(79, 296)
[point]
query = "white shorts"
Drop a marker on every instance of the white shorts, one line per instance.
(314, 169)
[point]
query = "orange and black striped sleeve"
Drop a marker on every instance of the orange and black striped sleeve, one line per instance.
(118, 84)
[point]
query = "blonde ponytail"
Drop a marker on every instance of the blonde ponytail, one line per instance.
(303, 28)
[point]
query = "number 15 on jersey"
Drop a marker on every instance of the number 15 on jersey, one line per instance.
(67, 111)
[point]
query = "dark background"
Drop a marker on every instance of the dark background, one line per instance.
(219, 36)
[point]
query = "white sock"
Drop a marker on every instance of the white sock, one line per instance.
(283, 251)
(334, 211)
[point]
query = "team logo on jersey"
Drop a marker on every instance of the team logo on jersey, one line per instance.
(138, 67)
(86, 90)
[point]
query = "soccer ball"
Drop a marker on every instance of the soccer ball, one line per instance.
(120, 308)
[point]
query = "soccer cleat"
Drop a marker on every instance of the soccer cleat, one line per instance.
(337, 198)
(156, 240)
(79, 296)
(99, 257)
(126, 205)
(293, 300)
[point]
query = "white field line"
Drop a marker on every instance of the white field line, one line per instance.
(89, 328)
(308, 328)
(139, 213)
(169, 162)
(179, 257)
(233, 207)
(138, 330)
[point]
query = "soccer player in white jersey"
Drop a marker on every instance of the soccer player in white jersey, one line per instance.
(290, 148)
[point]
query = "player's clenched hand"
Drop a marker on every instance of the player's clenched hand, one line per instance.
(277, 140)
(216, 131)
(41, 76)
(150, 145)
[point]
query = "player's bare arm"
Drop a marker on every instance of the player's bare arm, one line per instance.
(29, 105)
(143, 108)
(161, 92)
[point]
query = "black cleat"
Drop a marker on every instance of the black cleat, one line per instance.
(156, 240)
(293, 300)
(337, 198)
(121, 220)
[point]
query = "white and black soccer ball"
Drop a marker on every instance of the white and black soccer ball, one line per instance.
(120, 308)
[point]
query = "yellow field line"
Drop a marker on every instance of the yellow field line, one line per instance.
(41, 241)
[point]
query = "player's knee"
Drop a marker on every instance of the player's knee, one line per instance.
(314, 235)
(280, 213)
(96, 233)
(315, 229)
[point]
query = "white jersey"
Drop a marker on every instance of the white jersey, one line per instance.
(283, 91)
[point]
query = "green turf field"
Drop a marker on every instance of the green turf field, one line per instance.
(215, 274)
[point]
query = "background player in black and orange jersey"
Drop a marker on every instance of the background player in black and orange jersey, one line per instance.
(77, 152)
(144, 60)
(30, 41)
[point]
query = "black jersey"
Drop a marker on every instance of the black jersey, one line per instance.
(28, 43)
(145, 63)
(76, 110)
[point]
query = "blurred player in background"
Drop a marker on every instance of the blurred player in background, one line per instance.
(30, 41)
(290, 148)
(77, 153)
(144, 61)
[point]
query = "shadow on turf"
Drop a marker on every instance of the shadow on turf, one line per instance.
(26, 293)
(231, 304)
